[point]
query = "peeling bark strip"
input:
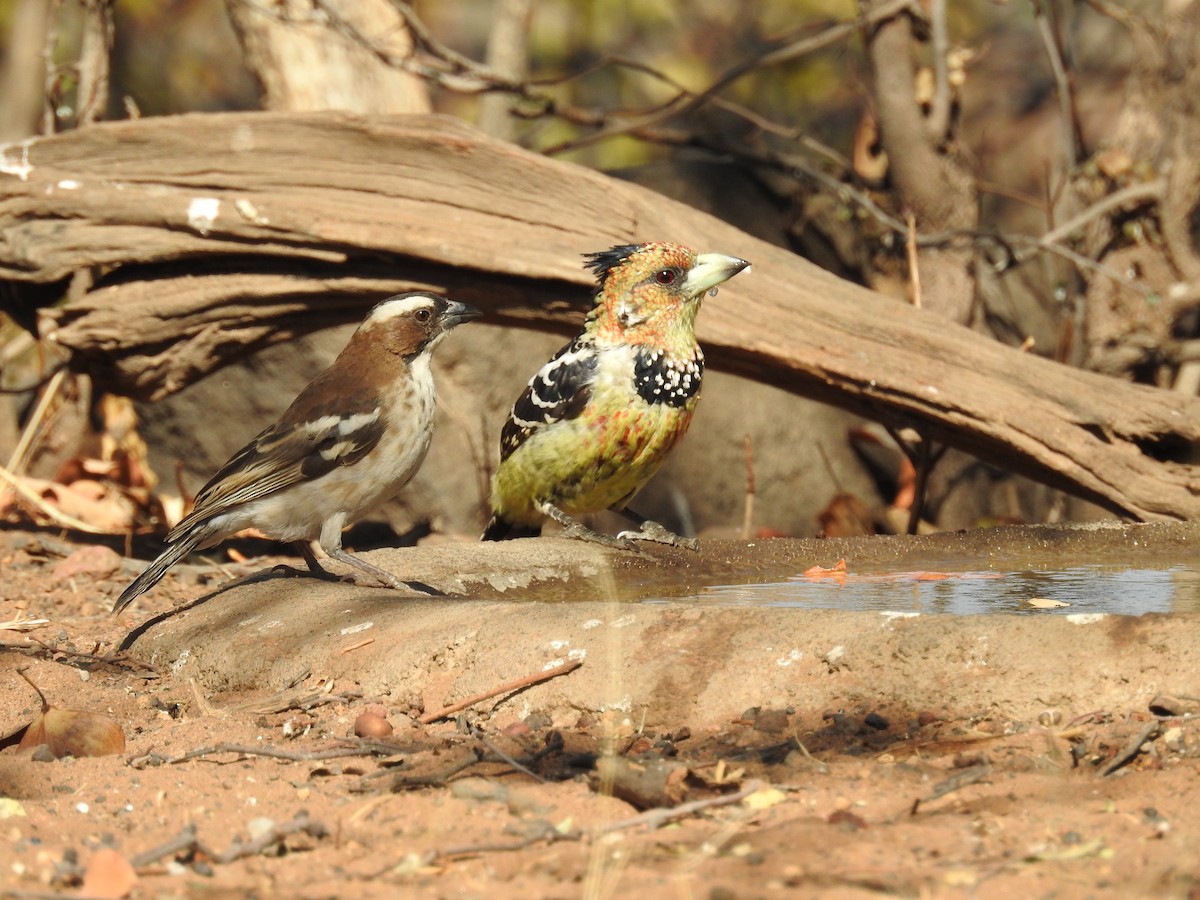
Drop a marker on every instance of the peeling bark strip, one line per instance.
(223, 233)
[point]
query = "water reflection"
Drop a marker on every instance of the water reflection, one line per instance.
(1082, 589)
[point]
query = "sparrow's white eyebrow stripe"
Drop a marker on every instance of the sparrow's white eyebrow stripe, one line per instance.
(391, 309)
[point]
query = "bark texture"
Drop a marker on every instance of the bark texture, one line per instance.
(217, 234)
(306, 61)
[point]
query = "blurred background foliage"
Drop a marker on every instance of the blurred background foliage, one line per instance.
(174, 56)
(788, 145)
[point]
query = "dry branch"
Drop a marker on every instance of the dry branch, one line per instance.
(217, 234)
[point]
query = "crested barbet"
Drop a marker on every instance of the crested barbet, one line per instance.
(598, 420)
(349, 442)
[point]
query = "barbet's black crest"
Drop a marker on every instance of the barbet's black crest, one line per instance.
(604, 261)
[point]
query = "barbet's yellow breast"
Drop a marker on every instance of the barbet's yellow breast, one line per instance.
(602, 457)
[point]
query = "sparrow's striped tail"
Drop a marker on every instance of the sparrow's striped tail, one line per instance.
(157, 569)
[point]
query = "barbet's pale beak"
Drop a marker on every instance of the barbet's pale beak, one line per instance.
(710, 270)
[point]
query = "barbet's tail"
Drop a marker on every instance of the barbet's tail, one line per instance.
(500, 529)
(157, 569)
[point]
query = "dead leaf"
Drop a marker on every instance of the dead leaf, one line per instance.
(90, 502)
(109, 876)
(837, 572)
(70, 732)
(764, 798)
(1114, 163)
(1044, 603)
(869, 159)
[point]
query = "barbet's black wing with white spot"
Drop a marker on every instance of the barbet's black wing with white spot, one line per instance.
(559, 391)
(285, 454)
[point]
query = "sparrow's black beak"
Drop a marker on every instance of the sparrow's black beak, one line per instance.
(456, 313)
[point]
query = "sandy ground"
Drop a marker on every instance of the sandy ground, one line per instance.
(800, 752)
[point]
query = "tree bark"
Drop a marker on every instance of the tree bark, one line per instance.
(308, 62)
(23, 70)
(221, 233)
(928, 178)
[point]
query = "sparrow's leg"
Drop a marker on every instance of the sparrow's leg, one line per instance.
(383, 576)
(573, 528)
(315, 569)
(651, 531)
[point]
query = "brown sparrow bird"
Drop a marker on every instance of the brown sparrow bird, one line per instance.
(349, 442)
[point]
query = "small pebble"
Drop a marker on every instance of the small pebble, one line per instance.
(538, 719)
(260, 826)
(876, 721)
(1173, 739)
(847, 820)
(771, 721)
(1049, 718)
(640, 745)
(372, 725)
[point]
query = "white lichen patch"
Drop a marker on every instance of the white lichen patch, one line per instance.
(250, 212)
(202, 213)
(14, 159)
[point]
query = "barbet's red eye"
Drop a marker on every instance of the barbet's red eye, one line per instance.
(665, 276)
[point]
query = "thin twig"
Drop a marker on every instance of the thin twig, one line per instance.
(656, 818)
(507, 688)
(1131, 195)
(300, 704)
(910, 250)
(365, 748)
(950, 785)
(20, 455)
(939, 109)
(184, 842)
(19, 624)
(1062, 82)
(276, 833)
(50, 651)
(478, 734)
(549, 835)
(1130, 751)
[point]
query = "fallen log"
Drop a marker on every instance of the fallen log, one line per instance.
(213, 235)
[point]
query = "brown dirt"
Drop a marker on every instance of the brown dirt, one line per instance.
(928, 756)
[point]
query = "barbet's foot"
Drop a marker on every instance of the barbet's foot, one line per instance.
(657, 534)
(572, 528)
